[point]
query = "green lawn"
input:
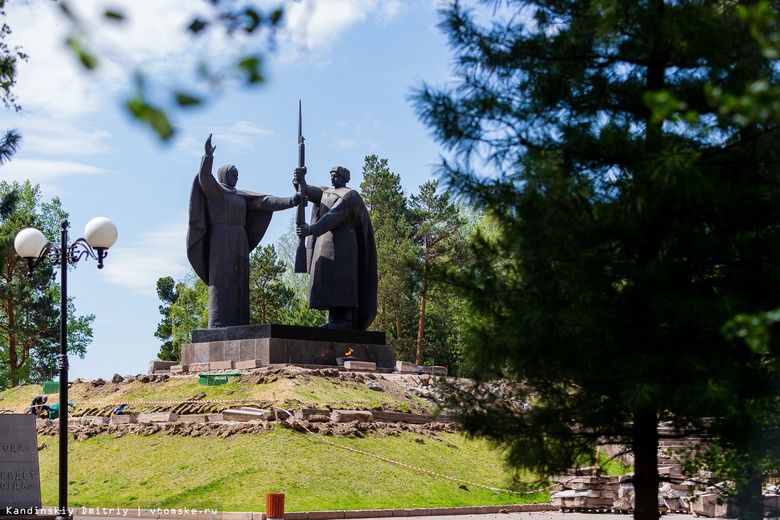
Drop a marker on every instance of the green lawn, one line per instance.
(235, 473)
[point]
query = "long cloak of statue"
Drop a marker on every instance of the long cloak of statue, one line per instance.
(225, 225)
(341, 253)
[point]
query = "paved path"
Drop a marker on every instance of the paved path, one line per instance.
(543, 515)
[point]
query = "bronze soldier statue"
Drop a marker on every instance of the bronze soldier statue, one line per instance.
(341, 252)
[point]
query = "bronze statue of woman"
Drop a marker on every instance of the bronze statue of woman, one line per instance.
(225, 225)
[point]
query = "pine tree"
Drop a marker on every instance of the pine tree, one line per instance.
(268, 296)
(30, 306)
(635, 219)
(166, 291)
(437, 228)
(387, 205)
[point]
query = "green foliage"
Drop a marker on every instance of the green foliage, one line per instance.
(189, 311)
(166, 291)
(396, 253)
(9, 60)
(438, 231)
(298, 311)
(30, 306)
(269, 298)
(634, 218)
(9, 145)
(225, 17)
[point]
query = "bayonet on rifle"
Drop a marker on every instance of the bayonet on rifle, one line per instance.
(300, 218)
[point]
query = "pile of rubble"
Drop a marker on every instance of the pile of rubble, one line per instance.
(252, 420)
(615, 494)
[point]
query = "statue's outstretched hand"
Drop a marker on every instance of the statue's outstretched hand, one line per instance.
(209, 149)
(302, 230)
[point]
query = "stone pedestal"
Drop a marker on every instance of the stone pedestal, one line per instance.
(20, 484)
(251, 346)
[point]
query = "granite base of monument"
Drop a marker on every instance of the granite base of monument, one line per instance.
(20, 484)
(250, 346)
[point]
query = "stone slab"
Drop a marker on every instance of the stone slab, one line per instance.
(295, 332)
(20, 485)
(271, 351)
(193, 418)
(221, 365)
(249, 364)
(158, 417)
(343, 416)
(406, 367)
(180, 369)
(125, 418)
(93, 420)
(160, 365)
(435, 370)
(360, 365)
(305, 413)
(244, 415)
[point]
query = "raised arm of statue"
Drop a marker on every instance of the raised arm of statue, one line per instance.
(207, 182)
(208, 148)
(314, 193)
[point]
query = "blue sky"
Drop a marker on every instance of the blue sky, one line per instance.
(352, 63)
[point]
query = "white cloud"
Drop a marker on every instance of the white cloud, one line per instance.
(154, 37)
(313, 26)
(49, 174)
(138, 265)
(239, 138)
(51, 136)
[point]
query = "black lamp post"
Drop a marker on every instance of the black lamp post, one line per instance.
(31, 245)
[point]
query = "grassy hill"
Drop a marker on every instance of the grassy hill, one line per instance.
(232, 468)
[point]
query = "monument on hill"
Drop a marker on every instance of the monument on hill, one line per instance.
(339, 256)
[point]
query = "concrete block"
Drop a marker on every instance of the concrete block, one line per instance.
(243, 415)
(94, 421)
(406, 367)
(193, 418)
(368, 513)
(434, 370)
(158, 417)
(160, 365)
(231, 516)
(351, 415)
(705, 504)
(772, 504)
(125, 418)
(199, 367)
(360, 365)
(304, 413)
(249, 364)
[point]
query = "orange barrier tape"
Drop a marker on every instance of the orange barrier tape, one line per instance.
(117, 403)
